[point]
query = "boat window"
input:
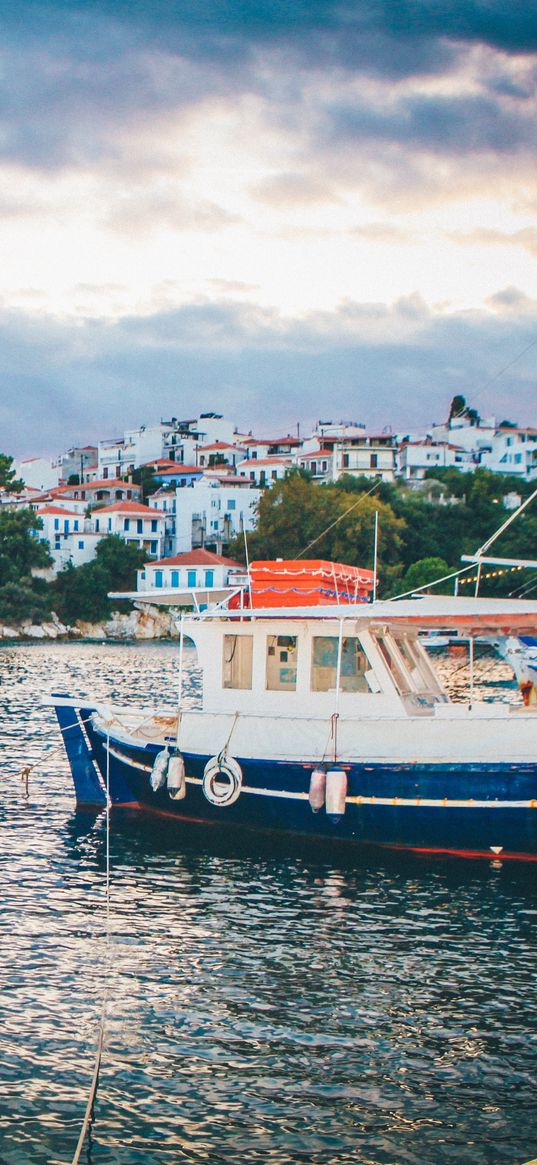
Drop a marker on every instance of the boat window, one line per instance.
(354, 664)
(417, 664)
(281, 663)
(237, 661)
(392, 660)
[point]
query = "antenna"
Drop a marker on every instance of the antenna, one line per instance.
(375, 555)
(248, 564)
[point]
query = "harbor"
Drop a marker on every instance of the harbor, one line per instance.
(271, 1002)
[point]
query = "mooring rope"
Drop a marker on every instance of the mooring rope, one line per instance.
(88, 1115)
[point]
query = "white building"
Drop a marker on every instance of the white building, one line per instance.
(512, 450)
(319, 463)
(38, 472)
(210, 512)
(197, 568)
(79, 461)
(133, 522)
(265, 471)
(365, 455)
(415, 458)
(69, 536)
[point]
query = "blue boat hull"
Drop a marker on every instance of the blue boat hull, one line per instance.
(475, 810)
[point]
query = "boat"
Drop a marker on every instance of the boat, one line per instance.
(322, 716)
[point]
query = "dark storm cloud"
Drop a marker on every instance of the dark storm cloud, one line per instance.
(76, 75)
(396, 365)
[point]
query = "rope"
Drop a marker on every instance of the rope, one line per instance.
(223, 751)
(88, 1115)
(25, 772)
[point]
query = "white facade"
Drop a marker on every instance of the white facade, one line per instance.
(207, 512)
(142, 525)
(365, 455)
(465, 433)
(38, 472)
(266, 470)
(415, 458)
(69, 536)
(513, 451)
(198, 568)
(319, 463)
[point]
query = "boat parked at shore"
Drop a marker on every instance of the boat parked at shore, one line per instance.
(322, 716)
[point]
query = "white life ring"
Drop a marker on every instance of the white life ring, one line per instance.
(222, 780)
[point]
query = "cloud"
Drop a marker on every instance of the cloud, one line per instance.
(399, 365)
(78, 77)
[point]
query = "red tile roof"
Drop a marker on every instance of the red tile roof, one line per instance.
(199, 557)
(179, 469)
(103, 483)
(129, 508)
(217, 445)
(57, 510)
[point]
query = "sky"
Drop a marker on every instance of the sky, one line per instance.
(279, 210)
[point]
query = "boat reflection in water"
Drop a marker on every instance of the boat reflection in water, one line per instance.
(322, 716)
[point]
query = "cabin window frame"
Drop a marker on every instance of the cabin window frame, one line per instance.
(323, 677)
(237, 661)
(281, 663)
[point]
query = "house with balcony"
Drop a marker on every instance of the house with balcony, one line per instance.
(265, 471)
(96, 493)
(365, 455)
(133, 522)
(207, 512)
(319, 463)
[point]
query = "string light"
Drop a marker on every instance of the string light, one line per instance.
(490, 574)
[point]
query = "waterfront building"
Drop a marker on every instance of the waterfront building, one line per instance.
(196, 568)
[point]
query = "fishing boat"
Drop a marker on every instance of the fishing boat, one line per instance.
(322, 716)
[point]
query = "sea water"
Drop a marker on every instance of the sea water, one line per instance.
(267, 1003)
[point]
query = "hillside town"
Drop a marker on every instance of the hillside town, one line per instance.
(181, 490)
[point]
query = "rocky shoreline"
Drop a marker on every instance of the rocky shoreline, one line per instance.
(151, 623)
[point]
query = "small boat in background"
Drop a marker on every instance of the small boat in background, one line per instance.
(322, 716)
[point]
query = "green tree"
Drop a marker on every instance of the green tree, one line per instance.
(21, 595)
(144, 476)
(8, 481)
(297, 517)
(21, 551)
(82, 592)
(426, 571)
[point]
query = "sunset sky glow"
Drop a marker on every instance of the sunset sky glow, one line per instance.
(276, 211)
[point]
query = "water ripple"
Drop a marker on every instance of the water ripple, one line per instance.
(265, 1006)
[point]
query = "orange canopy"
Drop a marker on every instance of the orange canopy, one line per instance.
(307, 583)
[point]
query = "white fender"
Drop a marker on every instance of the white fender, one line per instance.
(159, 770)
(336, 792)
(222, 780)
(317, 791)
(176, 780)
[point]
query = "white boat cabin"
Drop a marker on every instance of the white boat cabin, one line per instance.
(313, 666)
